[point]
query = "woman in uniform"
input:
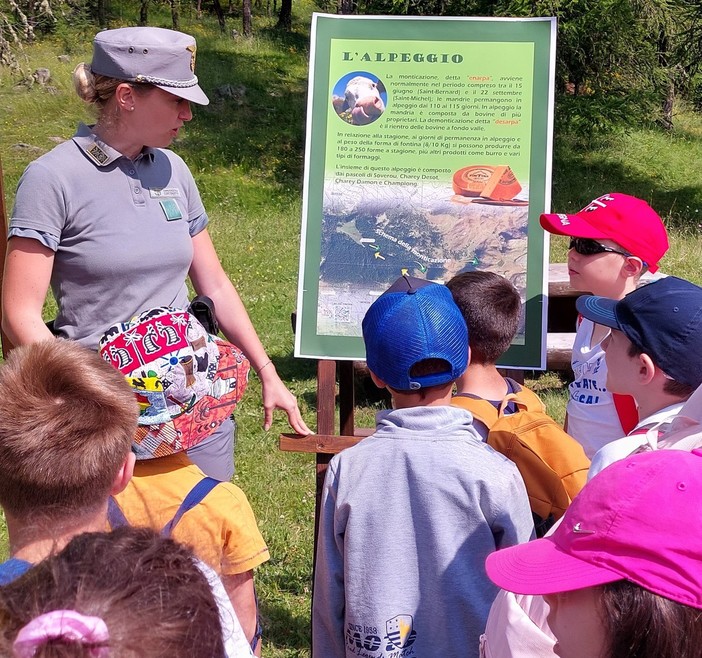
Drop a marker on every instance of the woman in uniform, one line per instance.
(113, 220)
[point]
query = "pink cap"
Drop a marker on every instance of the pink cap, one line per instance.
(629, 221)
(640, 519)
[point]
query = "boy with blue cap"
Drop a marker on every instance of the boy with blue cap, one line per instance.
(409, 514)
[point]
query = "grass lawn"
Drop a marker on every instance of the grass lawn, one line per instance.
(246, 153)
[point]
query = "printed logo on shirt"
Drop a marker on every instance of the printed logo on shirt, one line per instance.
(586, 389)
(583, 368)
(367, 641)
(400, 631)
(164, 193)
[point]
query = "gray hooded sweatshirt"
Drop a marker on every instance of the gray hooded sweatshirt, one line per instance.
(408, 517)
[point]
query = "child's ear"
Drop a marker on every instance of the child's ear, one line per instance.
(377, 381)
(632, 267)
(123, 475)
(647, 369)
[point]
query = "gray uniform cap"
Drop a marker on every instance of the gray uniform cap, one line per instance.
(164, 58)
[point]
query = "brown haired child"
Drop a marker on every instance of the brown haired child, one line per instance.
(66, 428)
(128, 593)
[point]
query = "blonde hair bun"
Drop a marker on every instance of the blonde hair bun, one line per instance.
(84, 83)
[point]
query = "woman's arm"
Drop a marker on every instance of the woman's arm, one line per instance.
(208, 278)
(28, 267)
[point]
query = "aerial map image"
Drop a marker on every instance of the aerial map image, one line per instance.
(376, 230)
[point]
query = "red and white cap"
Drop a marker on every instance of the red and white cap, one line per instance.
(628, 221)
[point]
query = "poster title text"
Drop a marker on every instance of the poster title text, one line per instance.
(432, 58)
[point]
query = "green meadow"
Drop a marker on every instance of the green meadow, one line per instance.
(246, 151)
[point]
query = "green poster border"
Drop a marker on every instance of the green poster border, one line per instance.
(540, 32)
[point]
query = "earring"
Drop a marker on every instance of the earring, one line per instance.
(131, 109)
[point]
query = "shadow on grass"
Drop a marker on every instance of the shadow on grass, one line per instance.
(290, 367)
(599, 176)
(284, 629)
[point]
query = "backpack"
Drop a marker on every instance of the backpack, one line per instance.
(552, 463)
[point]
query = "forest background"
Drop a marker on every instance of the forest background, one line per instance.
(628, 103)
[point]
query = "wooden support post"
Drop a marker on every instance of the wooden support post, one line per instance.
(347, 400)
(326, 405)
(6, 344)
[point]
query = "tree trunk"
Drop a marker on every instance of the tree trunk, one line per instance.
(285, 15)
(144, 12)
(246, 17)
(102, 13)
(175, 14)
(220, 15)
(668, 103)
(344, 7)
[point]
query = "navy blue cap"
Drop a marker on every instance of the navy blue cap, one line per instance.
(411, 321)
(663, 319)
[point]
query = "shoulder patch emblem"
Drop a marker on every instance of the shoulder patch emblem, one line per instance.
(97, 154)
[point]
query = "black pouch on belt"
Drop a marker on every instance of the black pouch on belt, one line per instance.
(203, 308)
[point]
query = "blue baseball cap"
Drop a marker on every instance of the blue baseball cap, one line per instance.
(663, 319)
(411, 321)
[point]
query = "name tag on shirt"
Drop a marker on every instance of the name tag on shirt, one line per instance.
(171, 210)
(165, 193)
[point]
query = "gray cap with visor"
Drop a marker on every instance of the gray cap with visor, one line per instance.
(154, 55)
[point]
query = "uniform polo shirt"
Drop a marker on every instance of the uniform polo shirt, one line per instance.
(121, 229)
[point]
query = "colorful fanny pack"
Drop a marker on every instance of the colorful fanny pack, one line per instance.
(186, 380)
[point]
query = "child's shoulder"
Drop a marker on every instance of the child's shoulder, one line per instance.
(170, 479)
(488, 411)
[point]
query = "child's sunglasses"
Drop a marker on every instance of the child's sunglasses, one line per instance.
(590, 247)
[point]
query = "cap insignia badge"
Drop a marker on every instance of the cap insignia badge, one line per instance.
(192, 50)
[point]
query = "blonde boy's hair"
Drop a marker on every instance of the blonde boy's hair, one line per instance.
(67, 419)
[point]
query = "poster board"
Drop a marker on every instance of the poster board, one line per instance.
(428, 152)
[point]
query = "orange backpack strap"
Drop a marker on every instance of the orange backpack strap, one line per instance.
(627, 411)
(485, 411)
(481, 409)
(525, 399)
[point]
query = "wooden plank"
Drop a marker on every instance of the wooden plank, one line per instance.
(559, 347)
(326, 412)
(326, 396)
(327, 444)
(347, 400)
(559, 281)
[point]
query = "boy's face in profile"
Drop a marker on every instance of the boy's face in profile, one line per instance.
(622, 369)
(596, 273)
